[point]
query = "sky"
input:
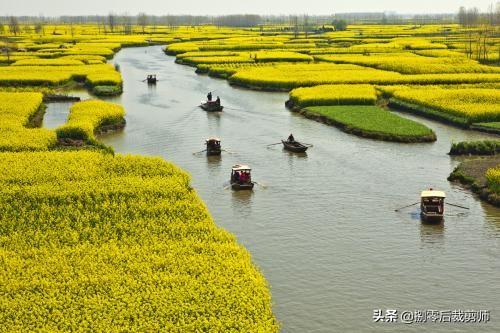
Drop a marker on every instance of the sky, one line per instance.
(219, 7)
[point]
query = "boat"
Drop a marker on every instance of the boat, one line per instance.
(294, 146)
(432, 205)
(151, 78)
(241, 178)
(213, 146)
(211, 106)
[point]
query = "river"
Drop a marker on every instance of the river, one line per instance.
(322, 226)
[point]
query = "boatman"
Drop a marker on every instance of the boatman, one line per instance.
(291, 138)
(209, 96)
(217, 101)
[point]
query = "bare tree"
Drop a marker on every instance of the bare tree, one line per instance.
(112, 22)
(306, 25)
(295, 23)
(13, 25)
(142, 20)
(8, 48)
(127, 24)
(39, 28)
(462, 16)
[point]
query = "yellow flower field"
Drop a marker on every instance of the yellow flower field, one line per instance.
(86, 117)
(340, 94)
(111, 244)
(475, 105)
(16, 112)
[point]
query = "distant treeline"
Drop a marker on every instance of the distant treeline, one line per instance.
(463, 16)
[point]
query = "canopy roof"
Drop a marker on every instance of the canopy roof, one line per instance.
(433, 194)
(213, 138)
(241, 167)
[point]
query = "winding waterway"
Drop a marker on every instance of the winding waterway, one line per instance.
(321, 226)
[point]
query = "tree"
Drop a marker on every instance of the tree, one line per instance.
(112, 22)
(2, 29)
(142, 20)
(339, 25)
(127, 24)
(8, 48)
(306, 25)
(39, 28)
(295, 23)
(462, 16)
(13, 25)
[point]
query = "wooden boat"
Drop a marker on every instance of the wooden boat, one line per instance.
(213, 146)
(211, 106)
(151, 78)
(294, 146)
(432, 205)
(241, 178)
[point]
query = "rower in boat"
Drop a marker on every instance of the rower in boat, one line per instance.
(294, 146)
(213, 146)
(432, 205)
(241, 178)
(211, 106)
(151, 78)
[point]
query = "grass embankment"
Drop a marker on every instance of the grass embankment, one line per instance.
(88, 118)
(475, 175)
(485, 147)
(493, 127)
(95, 242)
(371, 122)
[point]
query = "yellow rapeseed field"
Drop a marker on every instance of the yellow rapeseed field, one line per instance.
(92, 242)
(86, 117)
(334, 95)
(16, 112)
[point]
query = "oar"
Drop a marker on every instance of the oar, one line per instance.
(201, 151)
(274, 144)
(226, 107)
(262, 185)
(413, 204)
(456, 205)
(227, 151)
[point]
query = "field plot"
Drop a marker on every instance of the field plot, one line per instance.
(19, 112)
(103, 243)
(463, 106)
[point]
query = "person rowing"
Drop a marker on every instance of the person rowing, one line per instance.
(291, 138)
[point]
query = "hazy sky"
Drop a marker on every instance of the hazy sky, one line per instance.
(199, 7)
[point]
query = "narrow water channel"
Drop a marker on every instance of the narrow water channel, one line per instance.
(321, 226)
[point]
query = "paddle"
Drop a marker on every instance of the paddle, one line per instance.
(456, 205)
(226, 107)
(413, 204)
(273, 144)
(261, 185)
(201, 151)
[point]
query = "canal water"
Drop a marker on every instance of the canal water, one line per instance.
(321, 226)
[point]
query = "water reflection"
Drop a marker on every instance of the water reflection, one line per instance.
(432, 233)
(241, 202)
(214, 164)
(214, 121)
